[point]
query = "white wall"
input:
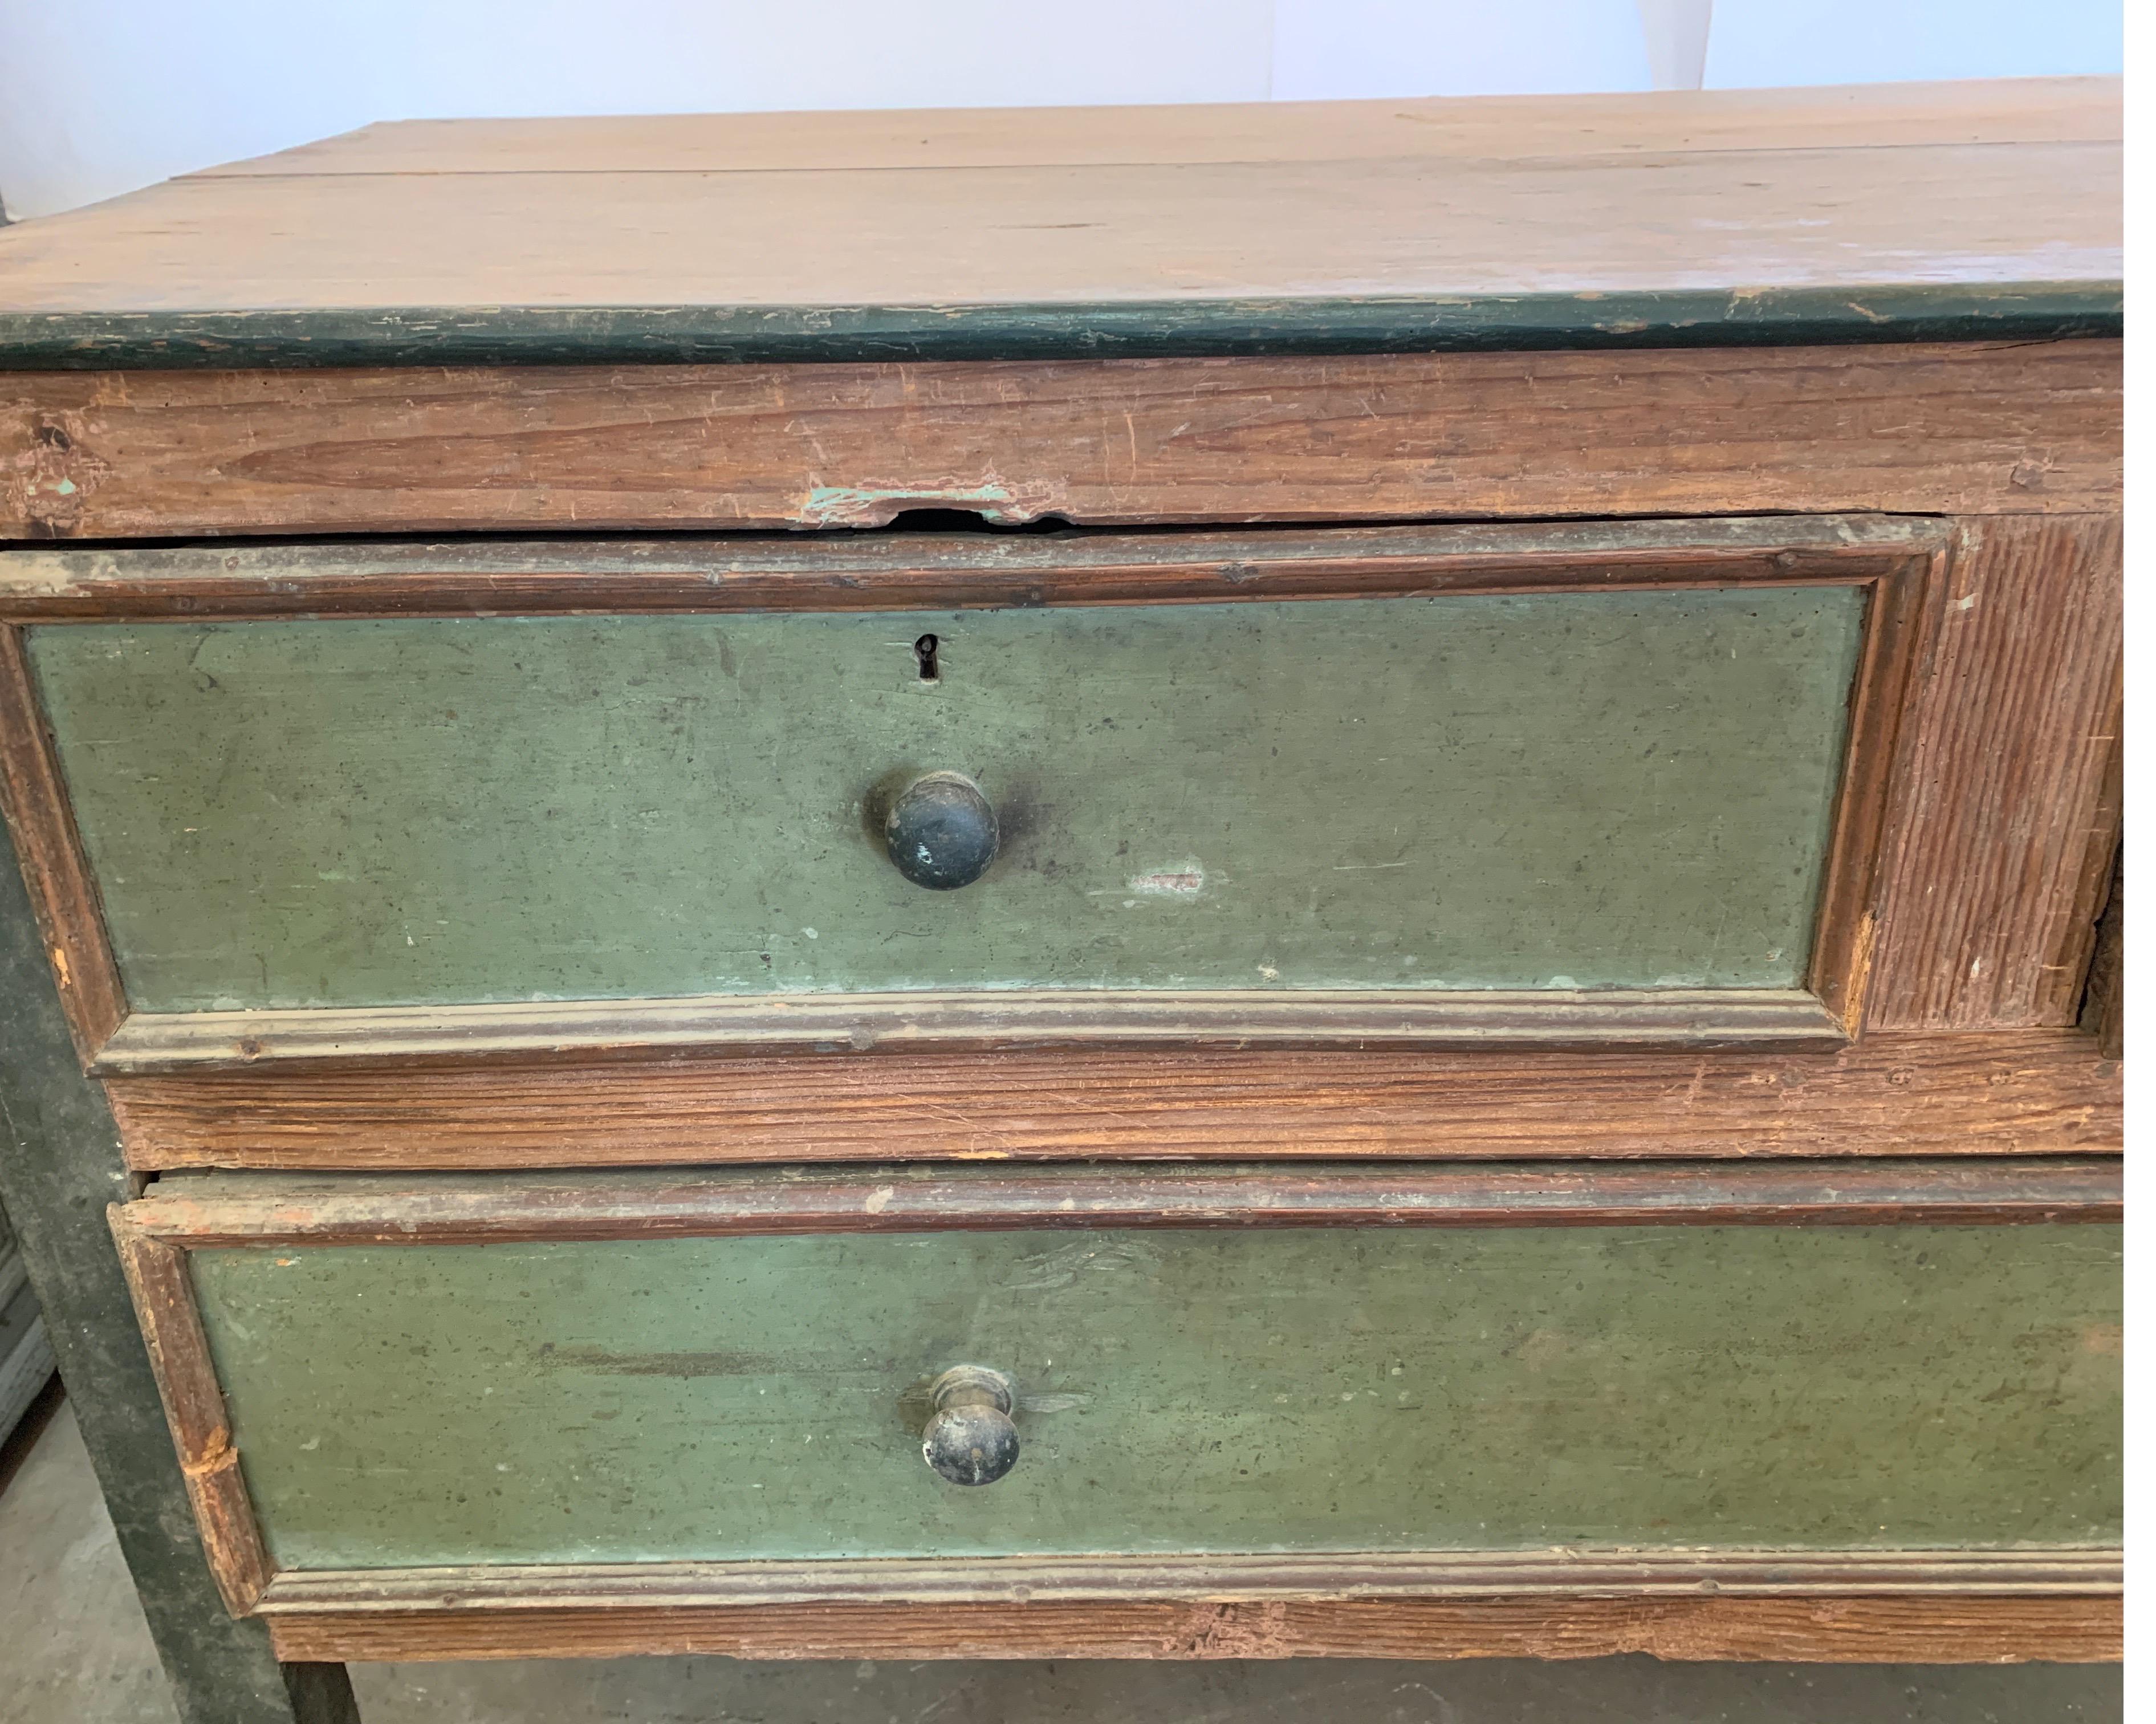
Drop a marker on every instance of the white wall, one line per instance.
(100, 96)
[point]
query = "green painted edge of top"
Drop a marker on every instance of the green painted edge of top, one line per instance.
(718, 335)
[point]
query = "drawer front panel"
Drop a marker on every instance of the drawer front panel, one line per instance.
(1337, 1389)
(1594, 790)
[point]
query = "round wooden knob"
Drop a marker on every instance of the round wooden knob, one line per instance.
(969, 1438)
(940, 832)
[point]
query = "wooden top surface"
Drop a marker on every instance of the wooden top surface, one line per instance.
(1914, 211)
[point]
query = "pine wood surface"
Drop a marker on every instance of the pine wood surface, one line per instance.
(1842, 219)
(1864, 1630)
(1322, 226)
(2009, 791)
(1989, 111)
(1970, 427)
(2032, 1092)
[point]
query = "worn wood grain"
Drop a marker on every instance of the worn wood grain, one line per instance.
(1873, 115)
(157, 1276)
(1319, 233)
(2009, 805)
(1968, 429)
(63, 892)
(1846, 220)
(911, 571)
(2045, 1092)
(215, 1211)
(1976, 1630)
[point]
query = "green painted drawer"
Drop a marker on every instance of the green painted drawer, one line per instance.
(1598, 790)
(1845, 1387)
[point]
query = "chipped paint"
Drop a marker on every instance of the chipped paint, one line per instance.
(859, 506)
(2060, 290)
(1182, 879)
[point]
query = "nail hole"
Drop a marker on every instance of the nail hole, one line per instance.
(924, 650)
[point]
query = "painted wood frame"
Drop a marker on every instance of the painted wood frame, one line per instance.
(1829, 1605)
(2006, 787)
(1900, 565)
(62, 890)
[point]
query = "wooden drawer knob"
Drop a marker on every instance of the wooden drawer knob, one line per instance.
(940, 832)
(969, 1438)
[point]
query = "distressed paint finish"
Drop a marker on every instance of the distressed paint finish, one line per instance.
(1338, 1389)
(59, 1166)
(1593, 790)
(759, 335)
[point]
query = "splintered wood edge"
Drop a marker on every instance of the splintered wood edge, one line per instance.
(157, 1276)
(214, 1041)
(203, 1211)
(2103, 1001)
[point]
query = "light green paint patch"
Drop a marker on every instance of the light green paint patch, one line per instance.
(1598, 790)
(1259, 1390)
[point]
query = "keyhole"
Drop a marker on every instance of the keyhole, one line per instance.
(924, 650)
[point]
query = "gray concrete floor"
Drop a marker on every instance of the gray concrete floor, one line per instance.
(74, 1650)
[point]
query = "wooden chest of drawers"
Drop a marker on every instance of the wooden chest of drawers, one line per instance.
(1398, 927)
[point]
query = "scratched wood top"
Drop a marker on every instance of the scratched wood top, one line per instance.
(1916, 212)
